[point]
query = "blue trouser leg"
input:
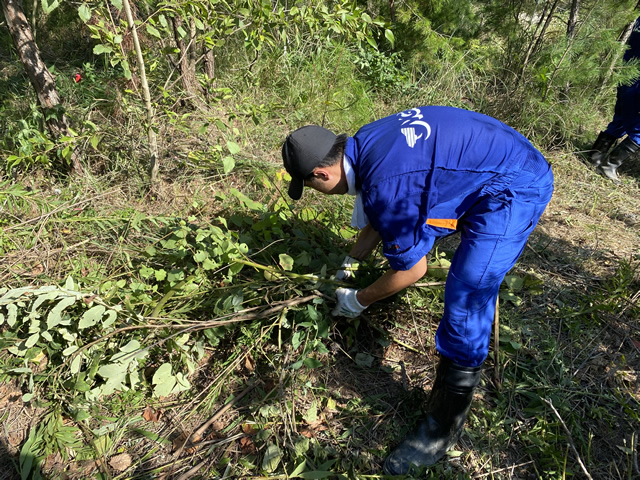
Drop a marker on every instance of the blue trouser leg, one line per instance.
(493, 235)
(626, 117)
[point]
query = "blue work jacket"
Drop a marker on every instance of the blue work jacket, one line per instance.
(420, 171)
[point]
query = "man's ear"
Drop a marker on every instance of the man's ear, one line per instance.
(321, 174)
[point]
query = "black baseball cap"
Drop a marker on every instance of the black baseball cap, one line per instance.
(302, 151)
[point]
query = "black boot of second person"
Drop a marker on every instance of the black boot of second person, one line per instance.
(448, 406)
(625, 149)
(600, 148)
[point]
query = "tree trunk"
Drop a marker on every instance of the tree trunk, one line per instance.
(41, 79)
(151, 133)
(571, 33)
(209, 63)
(185, 63)
(573, 19)
(536, 42)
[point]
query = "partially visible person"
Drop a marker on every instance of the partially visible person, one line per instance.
(626, 121)
(418, 176)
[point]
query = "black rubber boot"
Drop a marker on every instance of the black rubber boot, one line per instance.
(618, 155)
(600, 148)
(448, 406)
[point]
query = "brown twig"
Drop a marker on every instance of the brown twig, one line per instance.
(512, 467)
(496, 345)
(569, 438)
(193, 439)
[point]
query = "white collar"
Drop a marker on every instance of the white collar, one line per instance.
(350, 174)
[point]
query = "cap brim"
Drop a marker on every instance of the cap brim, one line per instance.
(295, 188)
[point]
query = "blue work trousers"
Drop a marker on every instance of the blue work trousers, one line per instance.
(626, 116)
(494, 233)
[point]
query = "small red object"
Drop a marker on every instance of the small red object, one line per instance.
(78, 77)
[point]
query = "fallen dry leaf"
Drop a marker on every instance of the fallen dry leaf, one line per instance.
(249, 363)
(15, 438)
(180, 440)
(247, 446)
(37, 270)
(313, 428)
(89, 299)
(150, 414)
(120, 462)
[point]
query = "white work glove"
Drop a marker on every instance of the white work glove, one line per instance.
(347, 269)
(347, 303)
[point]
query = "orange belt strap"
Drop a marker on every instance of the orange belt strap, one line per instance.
(450, 223)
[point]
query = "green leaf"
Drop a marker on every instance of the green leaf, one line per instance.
(32, 340)
(146, 272)
(153, 31)
(117, 4)
(84, 12)
(312, 413)
(109, 318)
(112, 370)
(49, 6)
(228, 164)
(163, 380)
(510, 297)
(200, 256)
(233, 147)
(12, 311)
(286, 262)
(69, 350)
(302, 465)
(69, 284)
(271, 458)
(91, 317)
(126, 69)
(514, 282)
(55, 315)
(312, 362)
(160, 274)
(364, 360)
(388, 34)
(317, 474)
(76, 363)
(98, 49)
(115, 374)
(246, 201)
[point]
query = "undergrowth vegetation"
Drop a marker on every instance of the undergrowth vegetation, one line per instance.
(182, 329)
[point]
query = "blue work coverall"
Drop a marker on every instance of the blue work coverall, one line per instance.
(626, 117)
(427, 172)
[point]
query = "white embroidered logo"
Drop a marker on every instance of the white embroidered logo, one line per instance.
(412, 120)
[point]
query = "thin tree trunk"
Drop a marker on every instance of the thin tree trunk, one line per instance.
(41, 79)
(185, 64)
(571, 33)
(534, 45)
(573, 19)
(209, 63)
(151, 134)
